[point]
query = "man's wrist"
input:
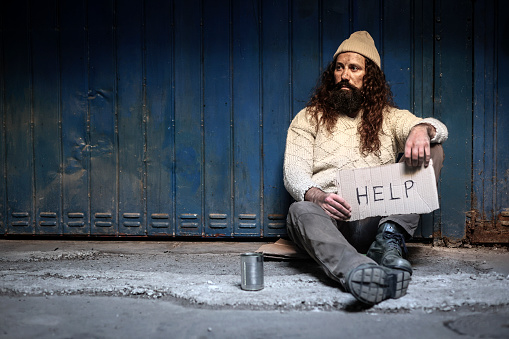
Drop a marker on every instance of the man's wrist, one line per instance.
(312, 193)
(429, 128)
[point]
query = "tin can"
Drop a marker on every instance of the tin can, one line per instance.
(251, 271)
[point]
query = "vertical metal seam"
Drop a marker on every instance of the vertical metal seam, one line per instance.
(88, 122)
(32, 116)
(437, 228)
(3, 219)
(202, 118)
(321, 9)
(485, 136)
(495, 111)
(350, 17)
(381, 28)
(232, 201)
(144, 202)
(60, 117)
(261, 216)
(116, 136)
(483, 212)
(474, 203)
(173, 151)
(290, 56)
(412, 57)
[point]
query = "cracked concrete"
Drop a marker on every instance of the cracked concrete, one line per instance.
(205, 276)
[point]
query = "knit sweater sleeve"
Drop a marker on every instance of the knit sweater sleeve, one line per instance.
(298, 160)
(402, 122)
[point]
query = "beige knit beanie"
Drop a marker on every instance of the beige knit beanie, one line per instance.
(360, 42)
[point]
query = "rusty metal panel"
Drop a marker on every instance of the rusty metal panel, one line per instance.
(149, 117)
(489, 219)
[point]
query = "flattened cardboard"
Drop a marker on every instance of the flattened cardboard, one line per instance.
(387, 190)
(282, 249)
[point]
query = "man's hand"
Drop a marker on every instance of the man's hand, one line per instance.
(417, 147)
(334, 205)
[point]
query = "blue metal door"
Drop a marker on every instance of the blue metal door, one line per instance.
(169, 118)
(488, 221)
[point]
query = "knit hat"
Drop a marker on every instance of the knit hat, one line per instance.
(360, 42)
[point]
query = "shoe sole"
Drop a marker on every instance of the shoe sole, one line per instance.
(374, 284)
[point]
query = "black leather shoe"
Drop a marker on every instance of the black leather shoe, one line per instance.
(389, 247)
(371, 283)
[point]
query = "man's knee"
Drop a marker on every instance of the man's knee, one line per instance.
(301, 207)
(302, 212)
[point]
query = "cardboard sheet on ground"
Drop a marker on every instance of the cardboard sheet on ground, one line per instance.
(282, 249)
(387, 190)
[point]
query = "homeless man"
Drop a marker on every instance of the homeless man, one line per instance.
(351, 122)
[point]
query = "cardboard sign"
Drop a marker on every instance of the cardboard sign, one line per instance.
(387, 190)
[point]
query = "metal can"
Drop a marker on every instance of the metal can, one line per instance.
(251, 271)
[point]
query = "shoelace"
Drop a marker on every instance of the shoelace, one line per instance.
(396, 241)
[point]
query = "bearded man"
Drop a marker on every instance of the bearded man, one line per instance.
(351, 122)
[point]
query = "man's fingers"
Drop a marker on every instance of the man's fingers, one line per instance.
(417, 155)
(337, 207)
(427, 156)
(337, 216)
(337, 212)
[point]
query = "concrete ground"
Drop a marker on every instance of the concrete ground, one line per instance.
(191, 289)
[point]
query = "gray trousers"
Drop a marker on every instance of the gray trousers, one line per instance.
(337, 246)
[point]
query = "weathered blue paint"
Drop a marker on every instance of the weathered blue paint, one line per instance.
(3, 193)
(46, 127)
(491, 118)
(305, 51)
(502, 108)
(130, 74)
(247, 114)
(74, 113)
(453, 105)
(149, 117)
(160, 123)
(336, 24)
(17, 93)
(276, 112)
(217, 115)
(421, 85)
(189, 118)
(102, 117)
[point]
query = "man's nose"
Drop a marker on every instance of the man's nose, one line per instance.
(345, 75)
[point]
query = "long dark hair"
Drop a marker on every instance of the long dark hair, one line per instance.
(377, 96)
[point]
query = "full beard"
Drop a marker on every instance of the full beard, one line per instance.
(346, 101)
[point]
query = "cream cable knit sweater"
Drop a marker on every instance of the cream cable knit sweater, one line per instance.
(313, 157)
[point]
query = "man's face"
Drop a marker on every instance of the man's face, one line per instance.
(350, 67)
(346, 95)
